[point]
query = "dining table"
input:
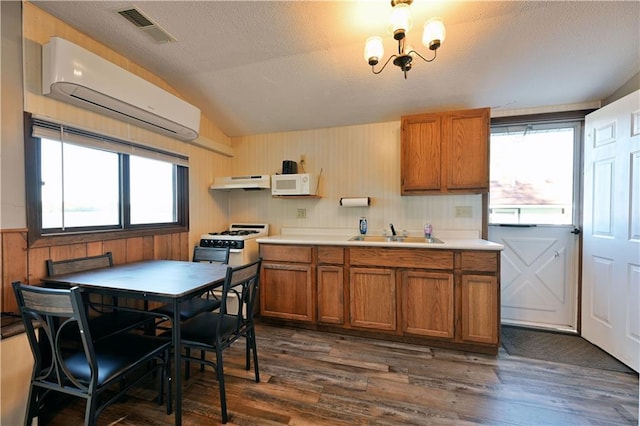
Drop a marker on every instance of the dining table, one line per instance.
(166, 281)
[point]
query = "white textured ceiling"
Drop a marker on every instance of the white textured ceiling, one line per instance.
(267, 66)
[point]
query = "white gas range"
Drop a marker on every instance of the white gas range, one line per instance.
(241, 240)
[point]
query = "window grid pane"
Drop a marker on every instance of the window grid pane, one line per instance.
(152, 191)
(91, 187)
(80, 186)
(532, 176)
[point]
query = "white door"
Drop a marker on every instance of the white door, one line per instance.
(534, 191)
(611, 252)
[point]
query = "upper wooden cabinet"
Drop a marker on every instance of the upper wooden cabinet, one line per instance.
(445, 153)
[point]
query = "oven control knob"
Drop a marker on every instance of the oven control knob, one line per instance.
(232, 244)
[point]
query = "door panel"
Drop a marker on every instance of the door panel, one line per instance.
(538, 275)
(611, 258)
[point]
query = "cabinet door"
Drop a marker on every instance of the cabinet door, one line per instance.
(421, 153)
(466, 139)
(331, 294)
(427, 304)
(480, 310)
(286, 291)
(372, 294)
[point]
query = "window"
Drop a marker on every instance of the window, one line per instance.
(79, 182)
(150, 204)
(80, 187)
(532, 179)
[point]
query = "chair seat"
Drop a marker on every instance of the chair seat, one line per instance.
(111, 357)
(202, 328)
(190, 308)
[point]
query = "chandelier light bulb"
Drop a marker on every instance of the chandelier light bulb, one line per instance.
(400, 20)
(434, 33)
(373, 50)
(409, 50)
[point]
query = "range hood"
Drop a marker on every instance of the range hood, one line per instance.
(242, 182)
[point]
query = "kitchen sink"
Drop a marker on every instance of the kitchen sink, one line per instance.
(394, 239)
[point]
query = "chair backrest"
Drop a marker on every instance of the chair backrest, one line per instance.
(68, 266)
(211, 254)
(242, 282)
(50, 315)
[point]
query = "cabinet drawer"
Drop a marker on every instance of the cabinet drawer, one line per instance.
(333, 255)
(286, 253)
(481, 261)
(402, 258)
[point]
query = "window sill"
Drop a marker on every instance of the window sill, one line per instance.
(85, 237)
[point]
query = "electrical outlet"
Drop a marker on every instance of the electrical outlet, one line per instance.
(464, 211)
(303, 159)
(302, 214)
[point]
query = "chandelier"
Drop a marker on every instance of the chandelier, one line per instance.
(400, 20)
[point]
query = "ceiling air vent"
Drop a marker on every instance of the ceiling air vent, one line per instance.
(141, 21)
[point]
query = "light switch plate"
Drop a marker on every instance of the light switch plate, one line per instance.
(464, 211)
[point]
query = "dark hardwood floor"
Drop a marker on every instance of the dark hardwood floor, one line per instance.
(314, 378)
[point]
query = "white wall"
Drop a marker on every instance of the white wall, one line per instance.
(12, 190)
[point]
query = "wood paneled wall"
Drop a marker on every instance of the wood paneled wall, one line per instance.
(20, 263)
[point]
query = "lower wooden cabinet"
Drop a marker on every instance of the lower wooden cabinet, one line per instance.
(440, 297)
(372, 301)
(480, 312)
(427, 303)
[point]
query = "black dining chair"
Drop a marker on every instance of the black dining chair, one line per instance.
(216, 331)
(106, 317)
(207, 301)
(92, 369)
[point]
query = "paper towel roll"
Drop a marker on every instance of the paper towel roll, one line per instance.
(355, 202)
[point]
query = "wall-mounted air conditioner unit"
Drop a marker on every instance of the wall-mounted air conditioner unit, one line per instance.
(75, 75)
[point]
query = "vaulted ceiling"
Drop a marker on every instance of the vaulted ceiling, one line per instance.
(266, 66)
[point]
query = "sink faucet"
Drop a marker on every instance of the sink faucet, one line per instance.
(393, 230)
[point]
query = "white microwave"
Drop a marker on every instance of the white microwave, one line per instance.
(294, 184)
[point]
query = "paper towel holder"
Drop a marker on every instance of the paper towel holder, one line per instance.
(355, 201)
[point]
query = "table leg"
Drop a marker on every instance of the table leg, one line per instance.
(177, 352)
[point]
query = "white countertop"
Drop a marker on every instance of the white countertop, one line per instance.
(450, 241)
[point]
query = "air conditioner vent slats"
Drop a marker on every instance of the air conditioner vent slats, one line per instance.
(136, 17)
(146, 24)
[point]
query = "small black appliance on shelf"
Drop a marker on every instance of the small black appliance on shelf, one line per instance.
(289, 167)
